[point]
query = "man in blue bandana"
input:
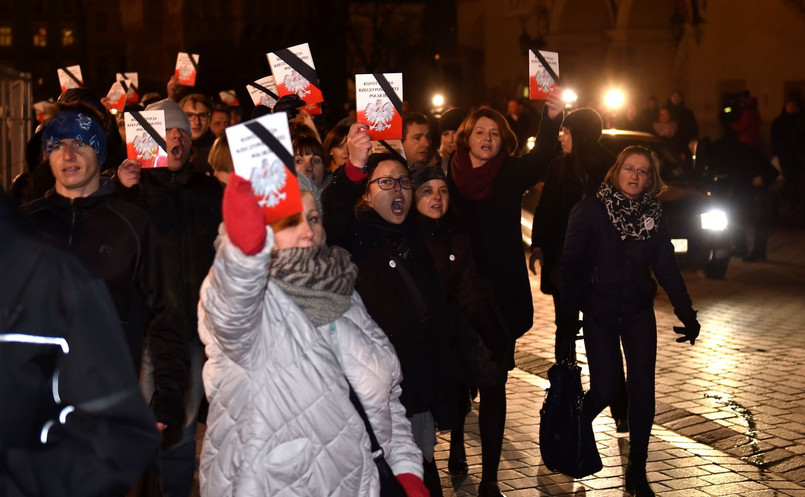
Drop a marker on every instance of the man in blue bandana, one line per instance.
(117, 240)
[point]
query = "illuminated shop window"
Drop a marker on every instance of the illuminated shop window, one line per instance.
(5, 36)
(67, 37)
(41, 37)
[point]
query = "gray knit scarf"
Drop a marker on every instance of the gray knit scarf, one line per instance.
(320, 280)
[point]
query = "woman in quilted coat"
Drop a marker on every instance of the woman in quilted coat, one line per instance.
(286, 335)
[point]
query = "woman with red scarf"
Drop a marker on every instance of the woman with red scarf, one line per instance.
(487, 185)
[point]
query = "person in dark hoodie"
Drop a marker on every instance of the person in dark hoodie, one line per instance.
(185, 207)
(90, 433)
(117, 240)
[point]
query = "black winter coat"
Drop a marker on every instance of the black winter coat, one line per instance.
(58, 321)
(466, 289)
(186, 208)
(493, 225)
(118, 241)
(414, 323)
(608, 278)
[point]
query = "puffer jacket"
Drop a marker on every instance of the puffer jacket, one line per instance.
(280, 421)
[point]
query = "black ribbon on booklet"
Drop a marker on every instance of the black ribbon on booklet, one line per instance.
(264, 90)
(546, 65)
(72, 76)
(390, 93)
(272, 143)
(299, 66)
(150, 130)
(192, 61)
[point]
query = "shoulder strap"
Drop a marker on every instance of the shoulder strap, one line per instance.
(353, 397)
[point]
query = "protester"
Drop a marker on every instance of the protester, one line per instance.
(614, 239)
(487, 185)
(219, 120)
(185, 206)
(366, 211)
(73, 423)
(119, 242)
(280, 318)
(686, 126)
(221, 159)
(788, 145)
(416, 140)
(480, 342)
(309, 160)
(519, 123)
(665, 126)
(199, 111)
(335, 147)
(448, 125)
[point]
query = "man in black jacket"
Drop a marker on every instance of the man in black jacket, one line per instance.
(72, 422)
(185, 206)
(118, 241)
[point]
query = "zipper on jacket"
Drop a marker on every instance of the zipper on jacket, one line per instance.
(72, 222)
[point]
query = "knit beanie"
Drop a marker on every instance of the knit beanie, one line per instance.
(451, 120)
(307, 185)
(585, 125)
(174, 115)
(425, 174)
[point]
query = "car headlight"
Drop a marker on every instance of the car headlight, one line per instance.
(714, 220)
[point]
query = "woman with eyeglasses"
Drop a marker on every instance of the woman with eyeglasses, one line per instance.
(487, 184)
(615, 239)
(366, 211)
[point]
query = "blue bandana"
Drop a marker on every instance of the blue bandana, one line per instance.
(72, 125)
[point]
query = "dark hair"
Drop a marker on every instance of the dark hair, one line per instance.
(307, 144)
(506, 133)
(334, 138)
(655, 185)
(412, 118)
(371, 164)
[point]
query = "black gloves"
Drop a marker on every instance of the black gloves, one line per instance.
(689, 332)
(289, 104)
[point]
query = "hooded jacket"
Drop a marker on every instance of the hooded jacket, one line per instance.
(280, 421)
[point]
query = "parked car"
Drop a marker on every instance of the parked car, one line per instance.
(698, 215)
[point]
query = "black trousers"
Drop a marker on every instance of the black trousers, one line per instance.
(602, 339)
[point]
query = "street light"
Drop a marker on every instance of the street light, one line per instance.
(438, 100)
(614, 99)
(569, 97)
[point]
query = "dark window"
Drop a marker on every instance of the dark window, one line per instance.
(100, 22)
(67, 6)
(38, 6)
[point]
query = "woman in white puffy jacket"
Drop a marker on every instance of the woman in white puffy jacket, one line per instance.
(284, 330)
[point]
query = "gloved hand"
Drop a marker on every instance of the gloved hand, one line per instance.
(689, 332)
(413, 485)
(243, 219)
(289, 104)
(565, 344)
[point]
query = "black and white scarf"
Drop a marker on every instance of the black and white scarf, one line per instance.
(636, 219)
(320, 280)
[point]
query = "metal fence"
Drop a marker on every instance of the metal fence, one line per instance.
(16, 122)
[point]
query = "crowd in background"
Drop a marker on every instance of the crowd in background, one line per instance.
(381, 296)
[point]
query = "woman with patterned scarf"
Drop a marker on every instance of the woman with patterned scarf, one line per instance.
(614, 240)
(287, 338)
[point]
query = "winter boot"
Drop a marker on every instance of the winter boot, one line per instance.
(636, 482)
(457, 462)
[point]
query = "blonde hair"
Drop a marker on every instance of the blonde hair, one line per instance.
(219, 157)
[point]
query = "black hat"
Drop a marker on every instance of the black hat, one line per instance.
(451, 120)
(584, 124)
(425, 174)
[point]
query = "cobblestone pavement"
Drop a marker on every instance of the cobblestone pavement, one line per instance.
(730, 410)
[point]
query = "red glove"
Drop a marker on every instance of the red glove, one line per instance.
(413, 485)
(243, 218)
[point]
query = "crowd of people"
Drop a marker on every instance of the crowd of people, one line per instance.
(326, 340)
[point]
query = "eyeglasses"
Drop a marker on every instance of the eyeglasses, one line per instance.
(640, 172)
(388, 183)
(202, 116)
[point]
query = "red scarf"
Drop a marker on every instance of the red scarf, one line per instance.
(474, 183)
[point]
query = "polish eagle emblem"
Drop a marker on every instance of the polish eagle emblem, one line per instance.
(379, 115)
(296, 83)
(268, 180)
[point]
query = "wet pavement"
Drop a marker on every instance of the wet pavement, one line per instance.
(730, 410)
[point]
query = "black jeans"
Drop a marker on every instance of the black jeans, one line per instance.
(602, 339)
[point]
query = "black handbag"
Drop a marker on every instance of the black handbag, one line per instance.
(566, 442)
(389, 485)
